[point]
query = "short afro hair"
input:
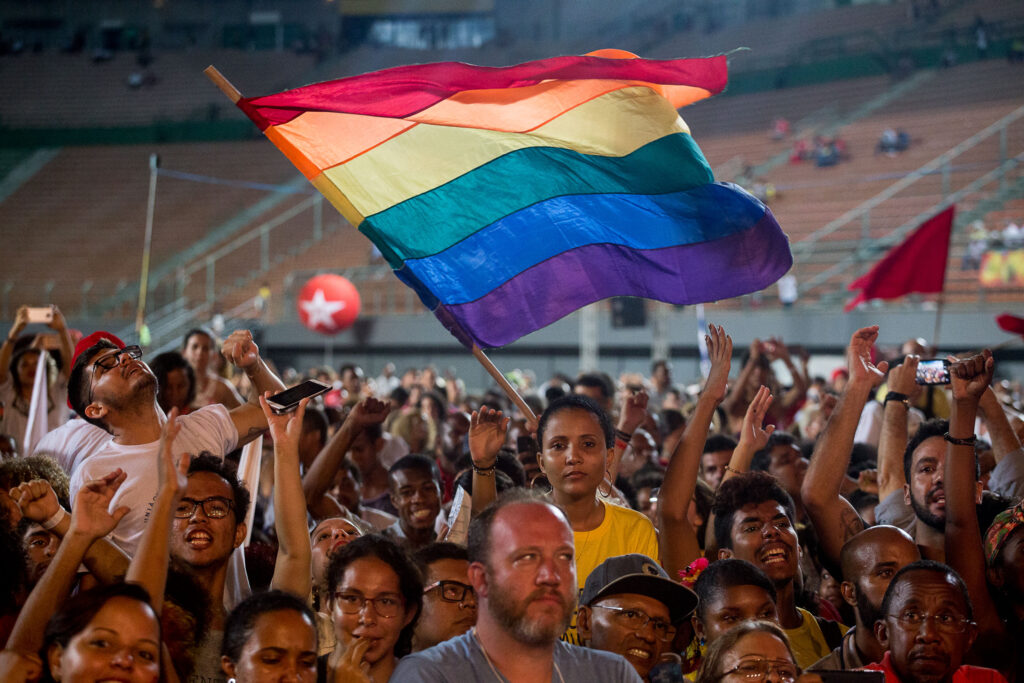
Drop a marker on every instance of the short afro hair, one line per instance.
(741, 490)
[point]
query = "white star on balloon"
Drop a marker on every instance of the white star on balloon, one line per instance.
(321, 311)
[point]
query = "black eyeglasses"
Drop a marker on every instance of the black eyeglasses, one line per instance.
(760, 669)
(452, 591)
(912, 620)
(635, 620)
(386, 606)
(110, 361)
(214, 507)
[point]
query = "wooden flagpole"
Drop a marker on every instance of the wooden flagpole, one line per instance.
(224, 84)
(507, 387)
(232, 94)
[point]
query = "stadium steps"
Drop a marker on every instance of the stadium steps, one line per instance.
(900, 89)
(87, 234)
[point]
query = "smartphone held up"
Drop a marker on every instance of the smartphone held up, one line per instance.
(933, 371)
(288, 400)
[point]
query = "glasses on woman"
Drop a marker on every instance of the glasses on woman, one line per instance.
(451, 591)
(635, 620)
(387, 606)
(760, 669)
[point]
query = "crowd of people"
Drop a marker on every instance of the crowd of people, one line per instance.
(617, 531)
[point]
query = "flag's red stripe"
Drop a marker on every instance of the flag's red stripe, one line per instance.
(406, 90)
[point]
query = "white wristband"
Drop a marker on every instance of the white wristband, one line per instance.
(56, 519)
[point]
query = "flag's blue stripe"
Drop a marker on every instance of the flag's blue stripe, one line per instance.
(470, 269)
(738, 264)
(459, 208)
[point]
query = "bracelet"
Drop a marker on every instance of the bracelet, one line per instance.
(625, 436)
(733, 470)
(969, 441)
(619, 443)
(54, 520)
(485, 471)
(896, 396)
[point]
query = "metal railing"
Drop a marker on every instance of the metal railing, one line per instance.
(859, 218)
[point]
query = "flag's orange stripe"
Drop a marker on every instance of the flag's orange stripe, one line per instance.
(514, 110)
(519, 110)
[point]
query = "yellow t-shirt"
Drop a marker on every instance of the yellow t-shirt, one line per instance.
(622, 532)
(807, 640)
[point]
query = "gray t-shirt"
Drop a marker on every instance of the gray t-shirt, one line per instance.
(895, 511)
(462, 659)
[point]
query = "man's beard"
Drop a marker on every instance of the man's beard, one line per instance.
(867, 612)
(922, 513)
(511, 615)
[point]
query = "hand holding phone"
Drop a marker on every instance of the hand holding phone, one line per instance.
(288, 400)
(41, 314)
(933, 371)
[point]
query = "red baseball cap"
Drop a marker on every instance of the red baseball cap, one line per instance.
(85, 342)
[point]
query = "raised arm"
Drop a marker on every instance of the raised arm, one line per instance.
(753, 437)
(779, 351)
(60, 326)
(243, 353)
(149, 566)
(105, 561)
(964, 551)
(90, 520)
(1004, 439)
(893, 439)
(7, 350)
(679, 543)
(293, 567)
(488, 430)
(632, 414)
(833, 517)
(321, 473)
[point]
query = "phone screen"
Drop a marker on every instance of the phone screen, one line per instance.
(288, 399)
(934, 371)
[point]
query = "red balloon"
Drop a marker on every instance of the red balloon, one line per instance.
(328, 304)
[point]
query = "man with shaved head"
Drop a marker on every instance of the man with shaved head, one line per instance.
(869, 560)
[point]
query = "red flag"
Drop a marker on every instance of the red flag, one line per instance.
(918, 264)
(1011, 323)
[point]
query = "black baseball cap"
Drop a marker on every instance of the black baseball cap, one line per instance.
(636, 573)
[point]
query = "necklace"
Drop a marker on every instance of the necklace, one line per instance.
(494, 669)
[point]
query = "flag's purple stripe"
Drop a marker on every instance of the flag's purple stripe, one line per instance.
(738, 264)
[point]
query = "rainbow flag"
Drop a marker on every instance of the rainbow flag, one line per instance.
(509, 197)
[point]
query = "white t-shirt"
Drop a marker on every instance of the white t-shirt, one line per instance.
(208, 429)
(15, 412)
(73, 442)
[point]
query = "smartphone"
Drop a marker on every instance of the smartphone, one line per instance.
(934, 371)
(288, 400)
(43, 314)
(851, 676)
